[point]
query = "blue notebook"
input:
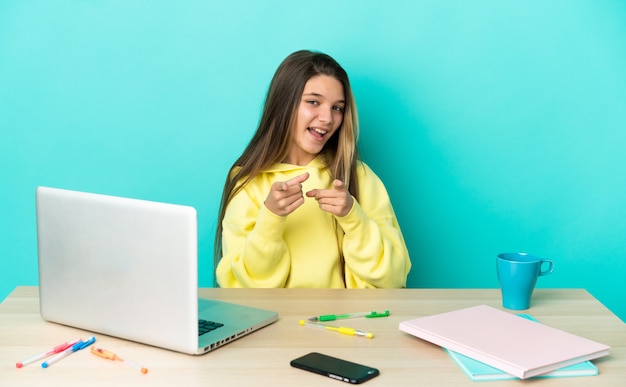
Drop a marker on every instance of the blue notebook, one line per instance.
(478, 371)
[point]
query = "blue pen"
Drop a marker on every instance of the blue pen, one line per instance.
(76, 347)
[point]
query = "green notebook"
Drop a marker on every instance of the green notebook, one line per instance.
(478, 371)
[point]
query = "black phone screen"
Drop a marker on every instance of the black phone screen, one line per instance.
(335, 368)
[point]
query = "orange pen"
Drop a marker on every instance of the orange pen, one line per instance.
(103, 353)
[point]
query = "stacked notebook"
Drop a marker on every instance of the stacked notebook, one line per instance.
(478, 371)
(504, 341)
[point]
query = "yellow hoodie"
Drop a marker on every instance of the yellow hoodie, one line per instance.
(304, 249)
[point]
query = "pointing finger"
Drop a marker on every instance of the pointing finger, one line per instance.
(298, 179)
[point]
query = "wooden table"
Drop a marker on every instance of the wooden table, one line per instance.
(262, 358)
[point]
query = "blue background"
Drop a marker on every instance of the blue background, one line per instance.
(496, 125)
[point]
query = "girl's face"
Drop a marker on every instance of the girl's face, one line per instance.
(319, 115)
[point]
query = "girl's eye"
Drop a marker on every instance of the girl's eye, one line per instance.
(312, 102)
(338, 108)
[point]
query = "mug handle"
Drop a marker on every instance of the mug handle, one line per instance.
(549, 269)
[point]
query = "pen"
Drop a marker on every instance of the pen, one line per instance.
(57, 349)
(103, 353)
(332, 317)
(342, 330)
(76, 347)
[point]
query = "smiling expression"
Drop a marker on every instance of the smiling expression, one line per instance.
(320, 114)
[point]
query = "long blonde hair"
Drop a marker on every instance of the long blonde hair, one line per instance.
(273, 138)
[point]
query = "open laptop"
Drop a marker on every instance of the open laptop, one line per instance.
(129, 268)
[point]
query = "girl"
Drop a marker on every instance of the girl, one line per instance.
(299, 209)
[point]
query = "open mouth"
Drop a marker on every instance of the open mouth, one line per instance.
(317, 132)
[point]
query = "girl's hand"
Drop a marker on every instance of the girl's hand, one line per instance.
(286, 196)
(337, 200)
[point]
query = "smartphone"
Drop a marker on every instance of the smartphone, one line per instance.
(335, 368)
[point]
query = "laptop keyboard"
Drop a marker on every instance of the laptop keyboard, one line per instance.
(205, 326)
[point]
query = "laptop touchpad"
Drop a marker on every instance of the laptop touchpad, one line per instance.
(204, 304)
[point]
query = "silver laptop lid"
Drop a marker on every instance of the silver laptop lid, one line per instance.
(118, 266)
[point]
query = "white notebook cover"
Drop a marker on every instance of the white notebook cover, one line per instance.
(518, 346)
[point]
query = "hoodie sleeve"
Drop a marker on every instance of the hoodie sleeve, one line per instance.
(374, 250)
(255, 254)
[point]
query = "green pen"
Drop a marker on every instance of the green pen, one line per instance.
(333, 317)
